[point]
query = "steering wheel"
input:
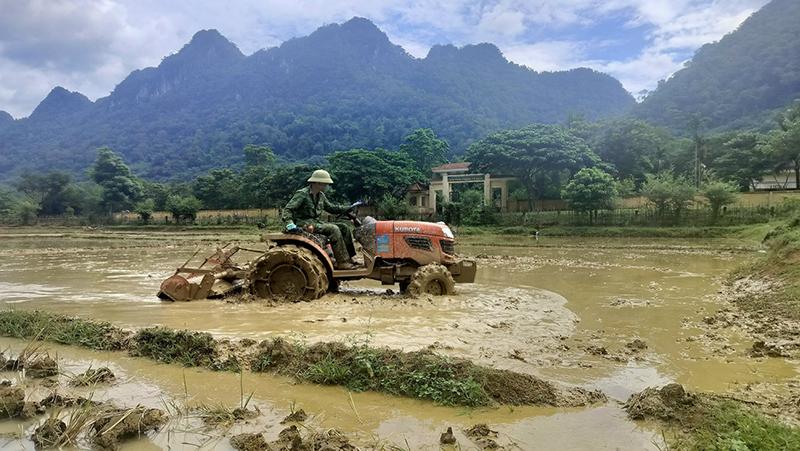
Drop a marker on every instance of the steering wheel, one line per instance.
(351, 214)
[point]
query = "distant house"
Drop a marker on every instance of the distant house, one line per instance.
(495, 187)
(781, 180)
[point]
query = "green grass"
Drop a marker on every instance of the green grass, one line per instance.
(421, 374)
(183, 347)
(730, 426)
(62, 329)
(745, 232)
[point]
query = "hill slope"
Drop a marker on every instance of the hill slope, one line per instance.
(344, 86)
(737, 81)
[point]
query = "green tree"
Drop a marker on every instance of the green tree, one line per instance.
(425, 150)
(390, 207)
(719, 194)
(27, 211)
(784, 141)
(7, 203)
(258, 156)
(743, 161)
(666, 192)
(695, 126)
(218, 190)
(119, 185)
(591, 189)
(145, 209)
(634, 147)
(183, 208)
(538, 155)
(368, 175)
(45, 190)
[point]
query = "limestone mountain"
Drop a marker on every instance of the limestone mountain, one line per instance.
(738, 81)
(344, 86)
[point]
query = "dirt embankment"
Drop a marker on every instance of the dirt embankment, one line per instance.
(421, 374)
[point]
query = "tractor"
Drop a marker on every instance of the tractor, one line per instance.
(419, 256)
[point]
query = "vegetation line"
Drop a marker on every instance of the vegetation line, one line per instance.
(355, 365)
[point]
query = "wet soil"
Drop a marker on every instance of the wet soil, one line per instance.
(563, 313)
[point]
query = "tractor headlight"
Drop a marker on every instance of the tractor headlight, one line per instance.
(447, 232)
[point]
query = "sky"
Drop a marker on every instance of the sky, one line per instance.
(90, 46)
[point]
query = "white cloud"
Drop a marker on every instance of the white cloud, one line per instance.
(91, 45)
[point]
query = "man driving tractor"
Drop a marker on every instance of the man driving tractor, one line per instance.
(305, 208)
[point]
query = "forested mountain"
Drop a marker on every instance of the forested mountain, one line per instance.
(344, 86)
(738, 81)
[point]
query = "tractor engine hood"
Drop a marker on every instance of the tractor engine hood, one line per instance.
(435, 229)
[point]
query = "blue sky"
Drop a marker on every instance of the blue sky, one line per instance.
(91, 45)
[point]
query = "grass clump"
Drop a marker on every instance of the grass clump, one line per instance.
(730, 426)
(62, 329)
(184, 347)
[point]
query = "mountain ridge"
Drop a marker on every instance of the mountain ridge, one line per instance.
(343, 86)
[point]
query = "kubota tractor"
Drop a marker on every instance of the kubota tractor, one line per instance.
(420, 256)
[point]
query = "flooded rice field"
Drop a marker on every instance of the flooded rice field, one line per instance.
(618, 315)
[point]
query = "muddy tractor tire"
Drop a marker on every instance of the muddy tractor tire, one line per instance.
(290, 273)
(433, 279)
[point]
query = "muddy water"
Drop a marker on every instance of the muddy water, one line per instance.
(534, 309)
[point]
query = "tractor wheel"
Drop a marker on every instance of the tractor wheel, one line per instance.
(289, 273)
(432, 279)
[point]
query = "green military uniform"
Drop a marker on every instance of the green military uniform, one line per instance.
(305, 210)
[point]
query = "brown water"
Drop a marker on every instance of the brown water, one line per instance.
(532, 309)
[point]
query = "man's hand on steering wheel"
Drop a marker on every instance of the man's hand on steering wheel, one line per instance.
(352, 211)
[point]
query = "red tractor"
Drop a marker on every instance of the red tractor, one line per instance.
(420, 256)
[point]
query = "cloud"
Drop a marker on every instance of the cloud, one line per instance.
(91, 45)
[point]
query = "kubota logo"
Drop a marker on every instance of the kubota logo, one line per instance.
(407, 229)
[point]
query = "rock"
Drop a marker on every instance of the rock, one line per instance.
(447, 437)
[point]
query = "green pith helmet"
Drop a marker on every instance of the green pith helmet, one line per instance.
(321, 176)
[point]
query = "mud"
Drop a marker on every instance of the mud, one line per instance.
(774, 335)
(509, 388)
(49, 433)
(482, 436)
(562, 313)
(295, 417)
(101, 375)
(12, 400)
(671, 404)
(119, 424)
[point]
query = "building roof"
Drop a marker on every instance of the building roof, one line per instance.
(451, 167)
(417, 187)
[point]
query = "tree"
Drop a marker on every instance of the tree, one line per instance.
(258, 156)
(719, 194)
(669, 193)
(536, 155)
(145, 209)
(110, 172)
(634, 147)
(591, 189)
(743, 161)
(7, 203)
(27, 211)
(425, 150)
(368, 175)
(784, 141)
(218, 190)
(45, 190)
(183, 207)
(390, 207)
(695, 127)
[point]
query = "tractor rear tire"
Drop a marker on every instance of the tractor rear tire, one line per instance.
(433, 279)
(290, 273)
